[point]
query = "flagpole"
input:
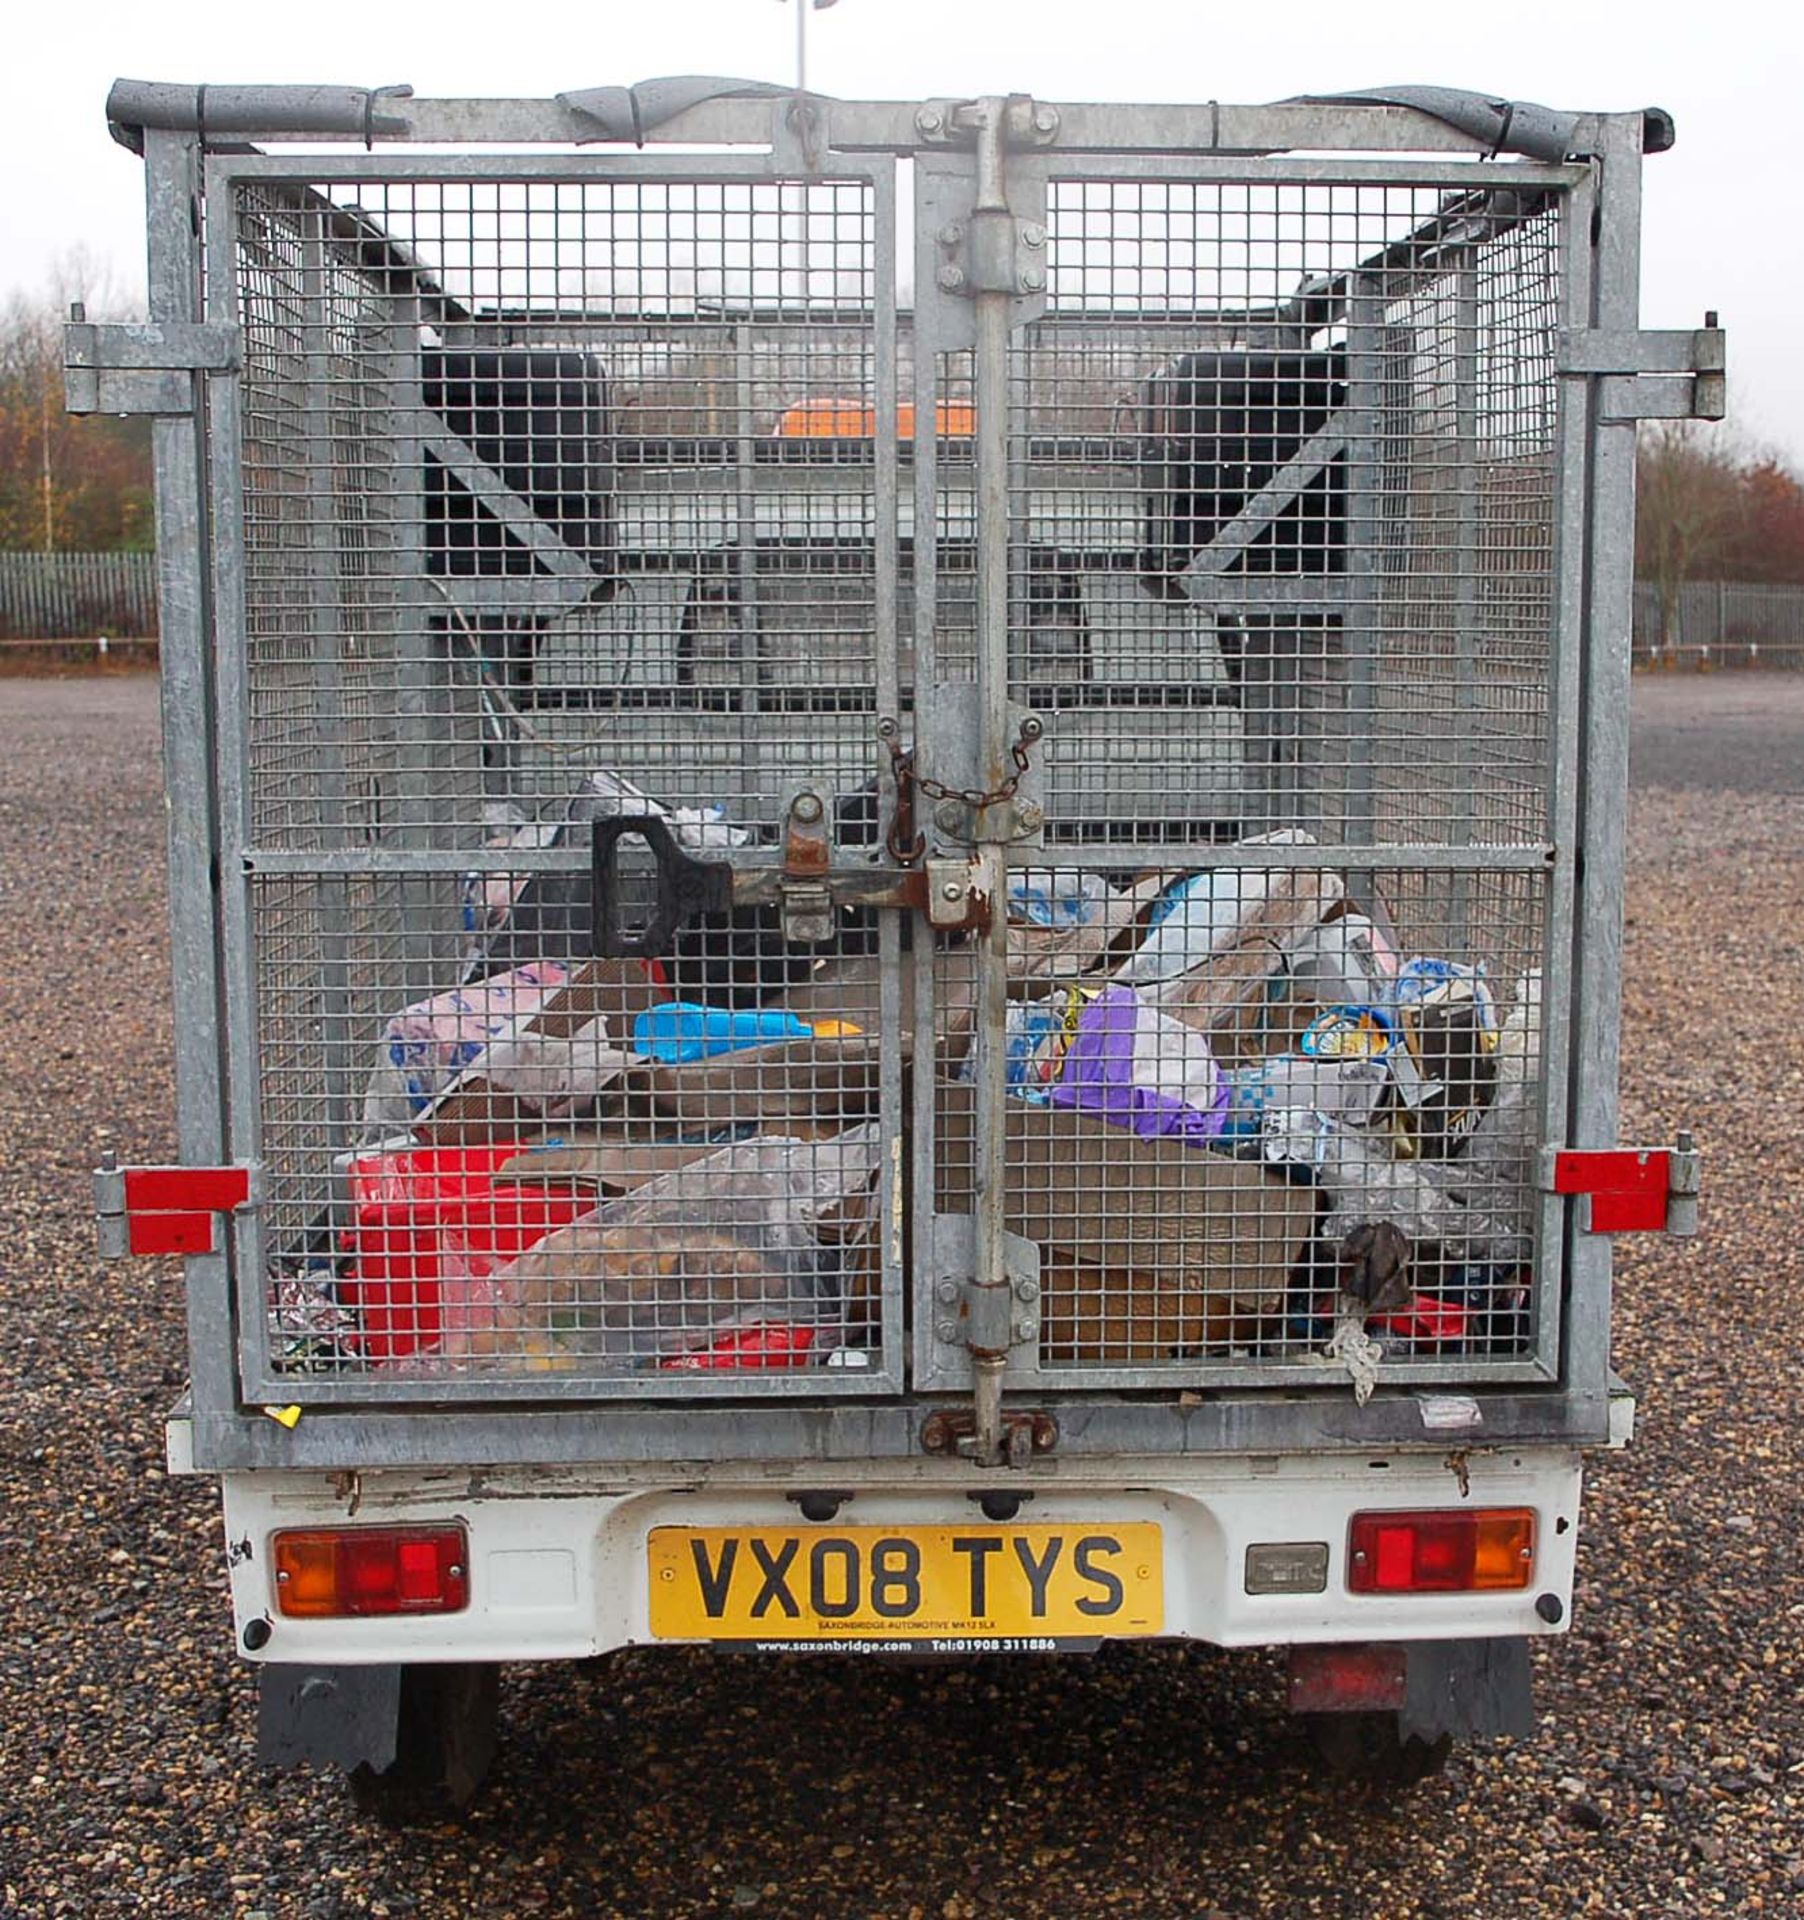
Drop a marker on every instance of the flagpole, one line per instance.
(801, 7)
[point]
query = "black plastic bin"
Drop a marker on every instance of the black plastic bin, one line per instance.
(1218, 427)
(538, 420)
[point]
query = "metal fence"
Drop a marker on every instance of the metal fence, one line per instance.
(1720, 623)
(77, 596)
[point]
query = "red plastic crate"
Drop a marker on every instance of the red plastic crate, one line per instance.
(421, 1214)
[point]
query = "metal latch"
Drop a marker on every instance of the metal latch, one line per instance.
(638, 909)
(1633, 1189)
(155, 1210)
(954, 897)
(683, 887)
(141, 368)
(805, 900)
(1648, 375)
(949, 1431)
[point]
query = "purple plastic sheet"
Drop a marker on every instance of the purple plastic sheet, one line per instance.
(1135, 1067)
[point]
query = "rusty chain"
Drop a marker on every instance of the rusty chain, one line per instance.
(904, 842)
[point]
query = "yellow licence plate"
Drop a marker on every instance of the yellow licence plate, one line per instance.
(908, 1589)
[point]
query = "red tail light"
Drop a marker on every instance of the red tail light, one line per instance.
(355, 1572)
(1461, 1550)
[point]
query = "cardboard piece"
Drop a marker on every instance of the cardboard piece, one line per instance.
(1270, 1020)
(616, 991)
(1241, 996)
(1193, 1236)
(611, 1166)
(850, 991)
(771, 1086)
(1111, 1316)
(825, 1084)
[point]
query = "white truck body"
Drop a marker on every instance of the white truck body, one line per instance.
(837, 578)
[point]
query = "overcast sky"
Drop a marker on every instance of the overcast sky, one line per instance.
(1723, 225)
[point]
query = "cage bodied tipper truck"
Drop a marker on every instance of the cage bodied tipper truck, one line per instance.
(896, 858)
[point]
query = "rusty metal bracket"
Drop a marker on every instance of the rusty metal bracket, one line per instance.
(949, 1433)
(806, 903)
(955, 899)
(902, 889)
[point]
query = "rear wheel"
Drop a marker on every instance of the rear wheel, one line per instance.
(444, 1743)
(1373, 1747)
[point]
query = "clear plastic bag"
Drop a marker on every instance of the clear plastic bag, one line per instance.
(1212, 911)
(1056, 897)
(1366, 1185)
(730, 1241)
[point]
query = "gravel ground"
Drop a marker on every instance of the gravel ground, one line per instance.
(1668, 1775)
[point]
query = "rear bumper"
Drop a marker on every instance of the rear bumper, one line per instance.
(748, 1435)
(559, 1566)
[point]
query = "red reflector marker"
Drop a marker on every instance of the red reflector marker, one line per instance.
(1342, 1679)
(357, 1572)
(1460, 1550)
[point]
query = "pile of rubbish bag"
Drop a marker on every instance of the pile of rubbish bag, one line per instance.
(614, 1165)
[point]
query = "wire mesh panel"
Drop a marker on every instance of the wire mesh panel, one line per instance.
(1288, 446)
(579, 514)
(1281, 583)
(1252, 1104)
(561, 510)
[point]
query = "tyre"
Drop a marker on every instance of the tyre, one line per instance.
(444, 1743)
(1372, 1747)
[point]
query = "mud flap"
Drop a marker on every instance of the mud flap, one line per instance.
(1459, 1689)
(1471, 1689)
(343, 1717)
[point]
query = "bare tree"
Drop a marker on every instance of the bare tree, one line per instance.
(1690, 505)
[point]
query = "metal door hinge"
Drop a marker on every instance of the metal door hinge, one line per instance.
(971, 1319)
(952, 123)
(141, 368)
(988, 222)
(950, 1431)
(1652, 375)
(155, 1210)
(1631, 1189)
(992, 252)
(995, 248)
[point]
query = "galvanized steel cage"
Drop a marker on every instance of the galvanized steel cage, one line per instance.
(1080, 512)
